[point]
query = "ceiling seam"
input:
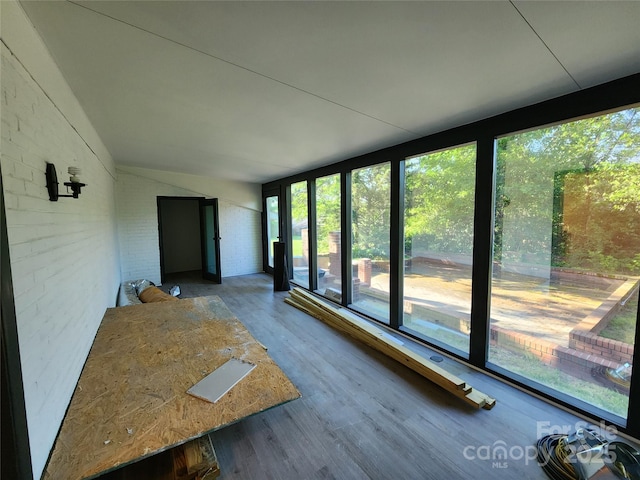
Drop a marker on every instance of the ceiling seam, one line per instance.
(57, 108)
(243, 68)
(545, 44)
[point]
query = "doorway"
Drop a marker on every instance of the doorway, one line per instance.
(188, 231)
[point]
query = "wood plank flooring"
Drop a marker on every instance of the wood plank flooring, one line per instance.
(363, 415)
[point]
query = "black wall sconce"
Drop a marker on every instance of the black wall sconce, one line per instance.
(73, 183)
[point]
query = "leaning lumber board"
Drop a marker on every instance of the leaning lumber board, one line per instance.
(374, 337)
(413, 361)
(376, 340)
(409, 358)
(479, 398)
(473, 397)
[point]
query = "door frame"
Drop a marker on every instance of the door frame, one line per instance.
(206, 202)
(275, 192)
(16, 451)
(159, 200)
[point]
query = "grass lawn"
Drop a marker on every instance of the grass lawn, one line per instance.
(296, 245)
(530, 366)
(622, 327)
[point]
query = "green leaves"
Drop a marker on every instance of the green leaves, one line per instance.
(439, 201)
(573, 189)
(371, 205)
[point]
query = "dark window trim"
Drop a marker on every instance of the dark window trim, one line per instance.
(482, 252)
(396, 237)
(345, 238)
(311, 235)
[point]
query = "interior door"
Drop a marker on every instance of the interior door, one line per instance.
(210, 233)
(271, 209)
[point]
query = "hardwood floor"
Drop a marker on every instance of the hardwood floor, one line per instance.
(362, 415)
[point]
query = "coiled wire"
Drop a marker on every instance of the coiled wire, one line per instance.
(553, 457)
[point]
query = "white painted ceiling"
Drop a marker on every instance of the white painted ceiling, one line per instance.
(255, 91)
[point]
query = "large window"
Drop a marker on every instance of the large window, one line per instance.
(328, 237)
(567, 257)
(438, 245)
(300, 233)
(512, 243)
(370, 249)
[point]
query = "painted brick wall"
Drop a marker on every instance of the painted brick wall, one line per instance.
(240, 229)
(241, 244)
(64, 256)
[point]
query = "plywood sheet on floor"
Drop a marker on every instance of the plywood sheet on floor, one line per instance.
(131, 400)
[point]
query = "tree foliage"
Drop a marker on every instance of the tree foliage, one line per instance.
(439, 201)
(570, 192)
(371, 207)
(327, 209)
(565, 195)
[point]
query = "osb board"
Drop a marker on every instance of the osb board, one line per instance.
(131, 400)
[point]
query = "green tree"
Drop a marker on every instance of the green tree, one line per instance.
(439, 201)
(327, 209)
(298, 201)
(604, 152)
(371, 206)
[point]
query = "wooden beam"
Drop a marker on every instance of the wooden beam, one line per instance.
(376, 338)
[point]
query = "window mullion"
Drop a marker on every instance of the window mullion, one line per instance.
(482, 252)
(312, 234)
(345, 241)
(396, 259)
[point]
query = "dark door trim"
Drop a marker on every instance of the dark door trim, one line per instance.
(159, 201)
(206, 274)
(16, 456)
(265, 238)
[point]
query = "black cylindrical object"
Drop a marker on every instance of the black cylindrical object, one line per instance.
(280, 268)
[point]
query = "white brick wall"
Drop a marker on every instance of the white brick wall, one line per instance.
(242, 194)
(241, 244)
(64, 257)
(240, 229)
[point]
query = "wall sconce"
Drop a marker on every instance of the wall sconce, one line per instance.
(73, 183)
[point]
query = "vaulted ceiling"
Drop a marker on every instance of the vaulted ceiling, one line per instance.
(254, 91)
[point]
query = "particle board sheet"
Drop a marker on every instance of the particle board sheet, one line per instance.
(131, 400)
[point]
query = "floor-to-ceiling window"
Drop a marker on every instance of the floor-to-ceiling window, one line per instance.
(328, 236)
(300, 233)
(566, 259)
(438, 245)
(370, 247)
(513, 243)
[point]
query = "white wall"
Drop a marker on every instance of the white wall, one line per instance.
(242, 194)
(240, 228)
(64, 258)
